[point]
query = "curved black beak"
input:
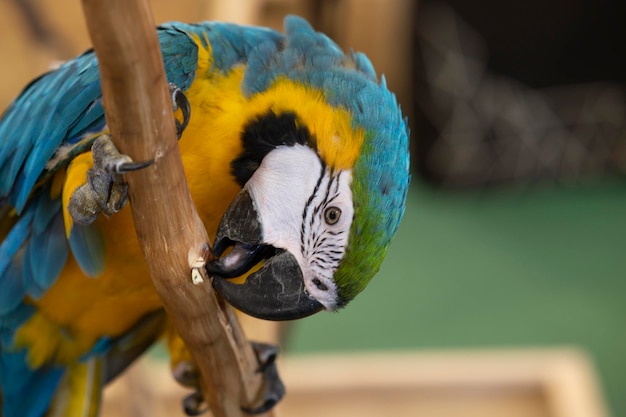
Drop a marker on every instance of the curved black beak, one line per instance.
(276, 291)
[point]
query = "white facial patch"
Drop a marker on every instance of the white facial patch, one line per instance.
(307, 210)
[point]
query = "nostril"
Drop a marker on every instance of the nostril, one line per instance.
(320, 285)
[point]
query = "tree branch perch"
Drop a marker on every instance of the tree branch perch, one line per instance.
(139, 115)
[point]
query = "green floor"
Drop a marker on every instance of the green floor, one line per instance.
(538, 267)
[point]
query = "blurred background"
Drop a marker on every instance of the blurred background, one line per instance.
(503, 293)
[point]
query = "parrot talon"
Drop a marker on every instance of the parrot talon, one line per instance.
(105, 191)
(274, 389)
(107, 158)
(125, 167)
(194, 404)
(187, 374)
(179, 101)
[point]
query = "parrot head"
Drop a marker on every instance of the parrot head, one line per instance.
(324, 173)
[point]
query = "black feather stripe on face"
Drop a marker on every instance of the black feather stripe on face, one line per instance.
(262, 135)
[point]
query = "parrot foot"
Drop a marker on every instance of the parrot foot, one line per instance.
(194, 404)
(105, 191)
(273, 387)
(187, 374)
(180, 102)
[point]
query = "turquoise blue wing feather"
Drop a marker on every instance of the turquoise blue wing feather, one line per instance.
(60, 107)
(38, 122)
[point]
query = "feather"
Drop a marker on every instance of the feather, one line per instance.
(80, 390)
(48, 252)
(19, 383)
(11, 286)
(29, 282)
(88, 248)
(45, 209)
(14, 240)
(125, 349)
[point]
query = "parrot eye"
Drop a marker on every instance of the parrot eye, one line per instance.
(331, 215)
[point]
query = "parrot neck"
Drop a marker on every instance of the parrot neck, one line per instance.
(210, 142)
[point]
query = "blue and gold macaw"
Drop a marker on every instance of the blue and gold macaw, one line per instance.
(296, 158)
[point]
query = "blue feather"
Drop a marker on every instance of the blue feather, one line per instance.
(11, 286)
(364, 65)
(45, 209)
(12, 321)
(8, 170)
(26, 392)
(18, 382)
(14, 240)
(33, 253)
(48, 252)
(28, 276)
(91, 121)
(88, 248)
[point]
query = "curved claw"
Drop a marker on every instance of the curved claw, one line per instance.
(106, 190)
(194, 404)
(179, 101)
(274, 389)
(107, 158)
(124, 167)
(187, 374)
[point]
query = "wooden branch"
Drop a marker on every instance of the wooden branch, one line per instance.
(139, 114)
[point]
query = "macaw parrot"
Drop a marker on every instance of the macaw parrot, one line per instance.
(296, 157)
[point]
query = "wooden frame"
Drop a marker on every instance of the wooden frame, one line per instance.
(512, 383)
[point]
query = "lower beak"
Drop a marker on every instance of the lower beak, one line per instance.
(276, 291)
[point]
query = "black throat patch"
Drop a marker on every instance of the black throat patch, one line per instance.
(261, 136)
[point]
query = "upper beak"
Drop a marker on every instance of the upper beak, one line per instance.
(276, 291)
